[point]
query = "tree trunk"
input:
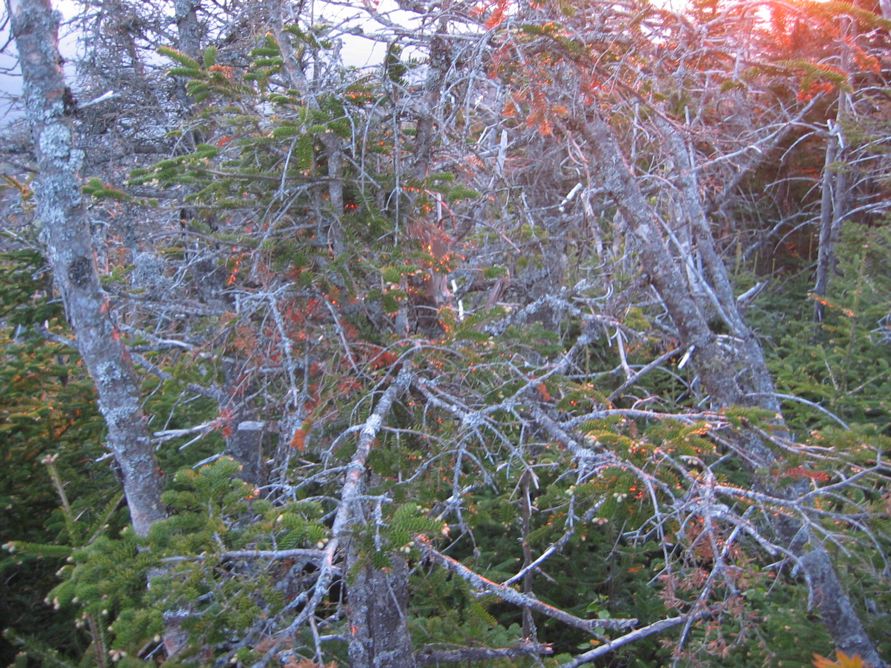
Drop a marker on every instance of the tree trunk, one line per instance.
(425, 136)
(755, 376)
(377, 598)
(333, 146)
(378, 610)
(188, 37)
(66, 234)
(832, 200)
(245, 446)
(187, 28)
(731, 374)
(828, 234)
(719, 372)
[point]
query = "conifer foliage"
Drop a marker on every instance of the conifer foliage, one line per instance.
(480, 355)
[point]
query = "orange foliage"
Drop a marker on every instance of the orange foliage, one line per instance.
(842, 660)
(223, 422)
(496, 18)
(801, 472)
(433, 239)
(543, 392)
(236, 267)
(226, 70)
(348, 385)
(498, 12)
(382, 360)
(298, 440)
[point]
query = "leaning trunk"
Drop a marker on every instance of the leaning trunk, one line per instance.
(66, 234)
(377, 597)
(731, 374)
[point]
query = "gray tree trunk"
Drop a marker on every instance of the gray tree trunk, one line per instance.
(377, 599)
(334, 152)
(731, 375)
(832, 201)
(66, 234)
(188, 29)
(188, 37)
(245, 445)
(830, 225)
(378, 609)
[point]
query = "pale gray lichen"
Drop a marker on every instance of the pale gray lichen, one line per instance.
(55, 142)
(75, 162)
(108, 372)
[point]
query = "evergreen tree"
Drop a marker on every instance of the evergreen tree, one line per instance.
(452, 358)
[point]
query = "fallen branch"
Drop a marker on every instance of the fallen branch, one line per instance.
(510, 595)
(634, 636)
(272, 555)
(431, 657)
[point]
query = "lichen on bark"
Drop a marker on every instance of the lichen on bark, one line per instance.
(65, 233)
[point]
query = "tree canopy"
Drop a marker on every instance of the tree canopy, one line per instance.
(555, 333)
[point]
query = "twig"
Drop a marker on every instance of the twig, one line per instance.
(806, 402)
(640, 374)
(251, 554)
(628, 638)
(431, 657)
(510, 595)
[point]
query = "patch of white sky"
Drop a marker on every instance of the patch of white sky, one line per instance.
(365, 27)
(362, 42)
(10, 75)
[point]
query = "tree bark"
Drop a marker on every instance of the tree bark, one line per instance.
(378, 611)
(66, 235)
(369, 642)
(188, 38)
(425, 136)
(720, 374)
(834, 191)
(755, 376)
(377, 599)
(187, 28)
(333, 146)
(245, 445)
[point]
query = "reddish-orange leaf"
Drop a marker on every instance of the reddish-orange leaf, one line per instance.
(298, 440)
(384, 359)
(543, 392)
(496, 18)
(842, 660)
